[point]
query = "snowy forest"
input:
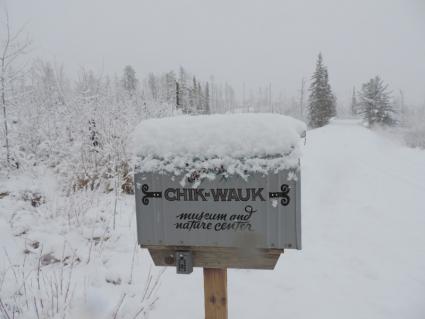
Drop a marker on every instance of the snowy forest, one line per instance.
(68, 245)
(87, 121)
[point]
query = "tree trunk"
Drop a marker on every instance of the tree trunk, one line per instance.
(3, 102)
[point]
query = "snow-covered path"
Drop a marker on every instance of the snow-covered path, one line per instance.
(363, 239)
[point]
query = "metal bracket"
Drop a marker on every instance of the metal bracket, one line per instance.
(184, 262)
(145, 199)
(283, 194)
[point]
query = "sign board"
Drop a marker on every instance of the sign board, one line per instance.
(261, 212)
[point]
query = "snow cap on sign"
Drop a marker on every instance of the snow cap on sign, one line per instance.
(236, 143)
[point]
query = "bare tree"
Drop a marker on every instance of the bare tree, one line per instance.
(11, 48)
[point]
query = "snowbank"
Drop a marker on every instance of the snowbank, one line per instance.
(231, 143)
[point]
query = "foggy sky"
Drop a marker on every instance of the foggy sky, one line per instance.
(255, 42)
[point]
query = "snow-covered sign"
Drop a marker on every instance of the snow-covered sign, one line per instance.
(208, 184)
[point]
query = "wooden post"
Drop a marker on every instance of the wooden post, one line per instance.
(215, 293)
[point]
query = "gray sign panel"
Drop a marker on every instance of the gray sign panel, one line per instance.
(262, 211)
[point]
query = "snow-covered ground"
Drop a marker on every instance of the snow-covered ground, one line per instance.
(363, 251)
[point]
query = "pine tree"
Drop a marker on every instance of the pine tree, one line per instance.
(331, 106)
(193, 97)
(129, 80)
(183, 92)
(322, 102)
(200, 102)
(207, 99)
(170, 87)
(153, 86)
(354, 104)
(375, 103)
(178, 105)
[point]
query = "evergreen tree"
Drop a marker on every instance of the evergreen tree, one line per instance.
(183, 92)
(200, 100)
(170, 87)
(193, 97)
(354, 104)
(375, 103)
(331, 97)
(178, 105)
(322, 103)
(129, 80)
(153, 86)
(207, 99)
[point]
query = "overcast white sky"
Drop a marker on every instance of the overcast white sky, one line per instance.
(255, 42)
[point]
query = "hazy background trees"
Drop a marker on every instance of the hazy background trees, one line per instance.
(79, 126)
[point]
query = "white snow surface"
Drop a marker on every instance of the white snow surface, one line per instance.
(363, 256)
(239, 143)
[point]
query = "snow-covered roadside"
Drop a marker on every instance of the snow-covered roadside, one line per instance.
(60, 255)
(363, 244)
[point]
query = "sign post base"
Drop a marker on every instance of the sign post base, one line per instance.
(215, 293)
